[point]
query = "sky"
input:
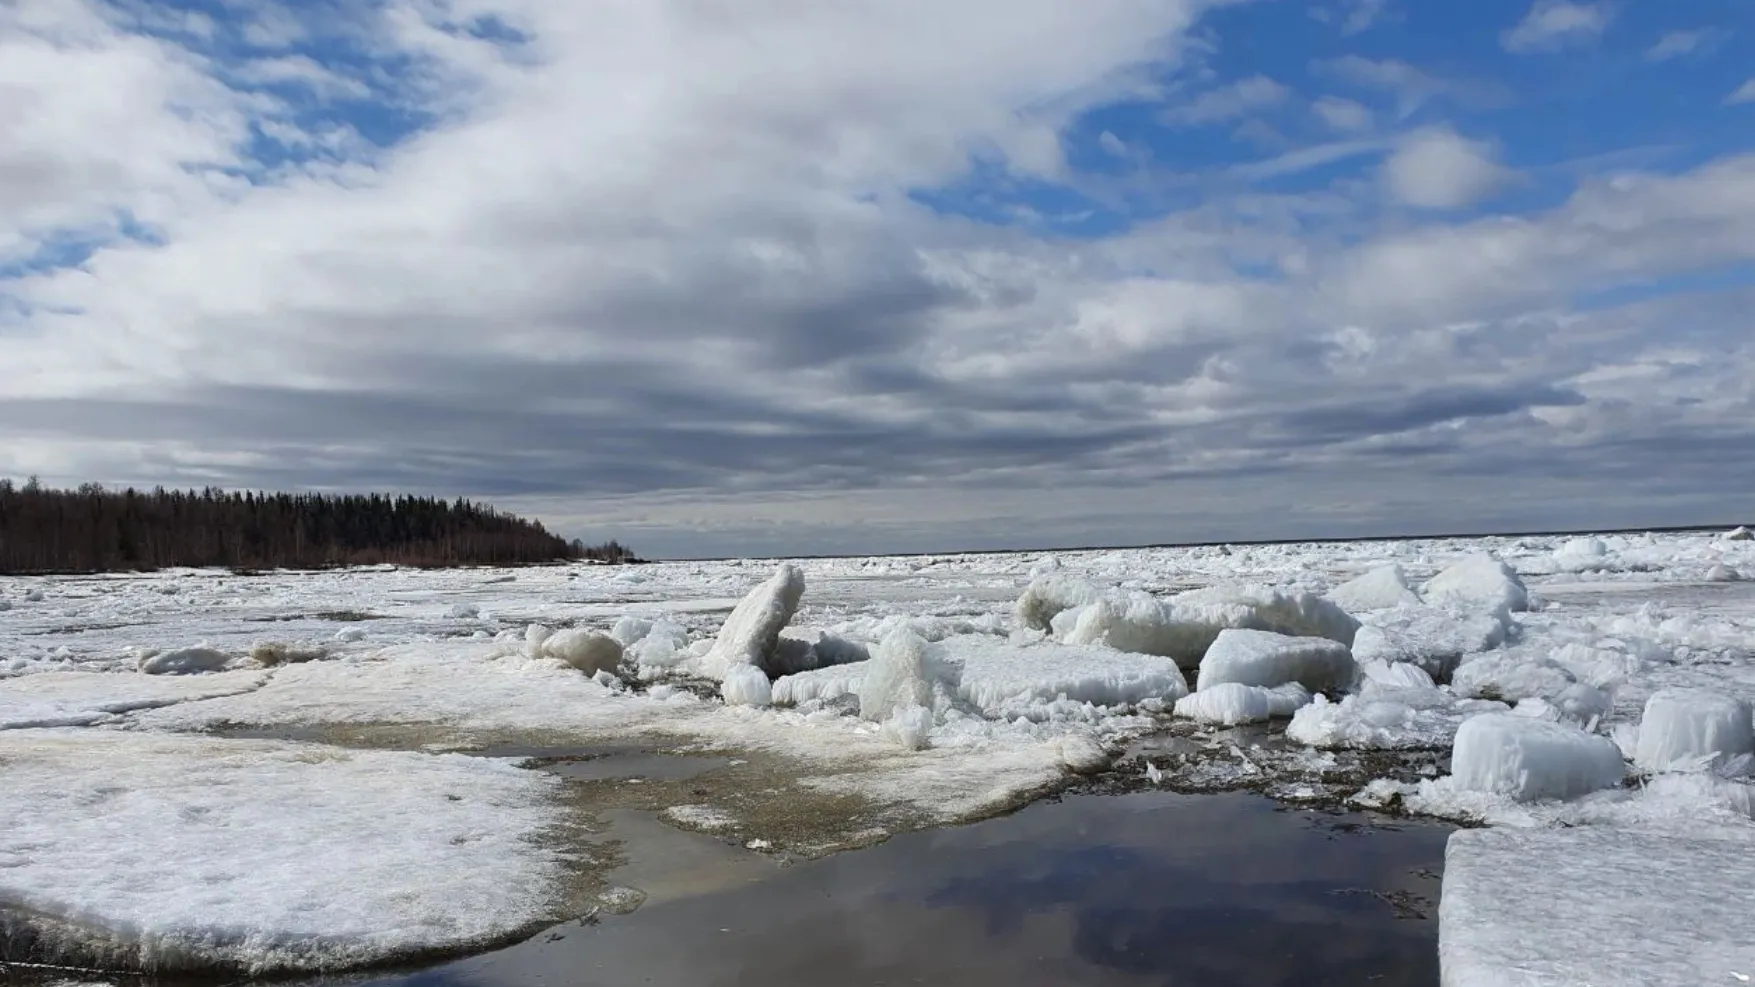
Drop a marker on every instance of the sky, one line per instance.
(777, 277)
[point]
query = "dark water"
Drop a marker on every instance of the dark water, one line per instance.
(1139, 889)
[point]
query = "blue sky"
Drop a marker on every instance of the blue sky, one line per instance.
(892, 277)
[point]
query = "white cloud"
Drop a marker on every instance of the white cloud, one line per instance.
(1112, 144)
(1744, 93)
(1362, 14)
(1411, 86)
(1343, 114)
(1437, 168)
(1553, 24)
(1677, 44)
(1240, 98)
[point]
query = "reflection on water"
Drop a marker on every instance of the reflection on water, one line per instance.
(1140, 889)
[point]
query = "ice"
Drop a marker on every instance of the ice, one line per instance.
(631, 630)
(1722, 574)
(746, 685)
(50, 699)
(1529, 759)
(902, 673)
(1380, 589)
(184, 661)
(271, 653)
(1511, 676)
(1396, 675)
(1482, 580)
(169, 853)
(1739, 533)
(1595, 906)
(1184, 626)
(751, 635)
(1050, 593)
(1009, 679)
(1263, 658)
(1231, 704)
(1693, 728)
(587, 650)
(828, 682)
(1434, 638)
(1380, 718)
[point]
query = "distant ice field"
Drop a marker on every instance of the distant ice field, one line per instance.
(299, 771)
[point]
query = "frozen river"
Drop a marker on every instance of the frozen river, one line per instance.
(203, 771)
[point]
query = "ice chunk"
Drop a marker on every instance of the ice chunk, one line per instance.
(629, 630)
(1529, 759)
(587, 650)
(463, 611)
(534, 637)
(1396, 675)
(904, 673)
(1267, 659)
(1082, 755)
(1434, 638)
(1231, 704)
(1386, 719)
(661, 648)
(828, 682)
(1692, 728)
(1482, 580)
(184, 661)
(1510, 676)
(54, 699)
(1009, 679)
(1051, 592)
(1183, 627)
(833, 649)
(1739, 533)
(746, 685)
(751, 635)
(1379, 589)
(910, 726)
(1723, 574)
(177, 853)
(792, 654)
(1594, 905)
(271, 653)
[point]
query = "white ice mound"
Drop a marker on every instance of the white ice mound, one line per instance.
(1595, 905)
(1231, 704)
(1480, 580)
(746, 685)
(1050, 593)
(820, 684)
(1687, 729)
(1530, 759)
(1739, 533)
(1511, 676)
(1006, 679)
(178, 852)
(587, 650)
(1723, 574)
(1396, 675)
(1266, 659)
(751, 635)
(906, 687)
(184, 661)
(1182, 627)
(1380, 589)
(1382, 718)
(1434, 638)
(1582, 555)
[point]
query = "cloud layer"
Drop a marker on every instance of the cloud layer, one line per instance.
(686, 274)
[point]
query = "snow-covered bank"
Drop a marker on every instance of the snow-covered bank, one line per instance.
(1600, 683)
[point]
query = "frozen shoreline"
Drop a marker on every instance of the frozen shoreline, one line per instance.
(981, 714)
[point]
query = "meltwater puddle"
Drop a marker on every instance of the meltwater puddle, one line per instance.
(1147, 888)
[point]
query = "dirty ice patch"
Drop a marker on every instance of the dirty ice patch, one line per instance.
(166, 853)
(1556, 908)
(67, 699)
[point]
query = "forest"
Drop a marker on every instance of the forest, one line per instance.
(93, 529)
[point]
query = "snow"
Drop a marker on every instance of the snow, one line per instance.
(1596, 906)
(1007, 679)
(1690, 728)
(1481, 580)
(751, 635)
(1382, 588)
(587, 650)
(1232, 704)
(1267, 659)
(184, 661)
(171, 853)
(1529, 759)
(50, 699)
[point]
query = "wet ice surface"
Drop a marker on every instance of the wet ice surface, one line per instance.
(1091, 890)
(979, 707)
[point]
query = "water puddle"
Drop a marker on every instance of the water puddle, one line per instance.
(1148, 888)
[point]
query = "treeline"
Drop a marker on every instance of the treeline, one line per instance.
(92, 529)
